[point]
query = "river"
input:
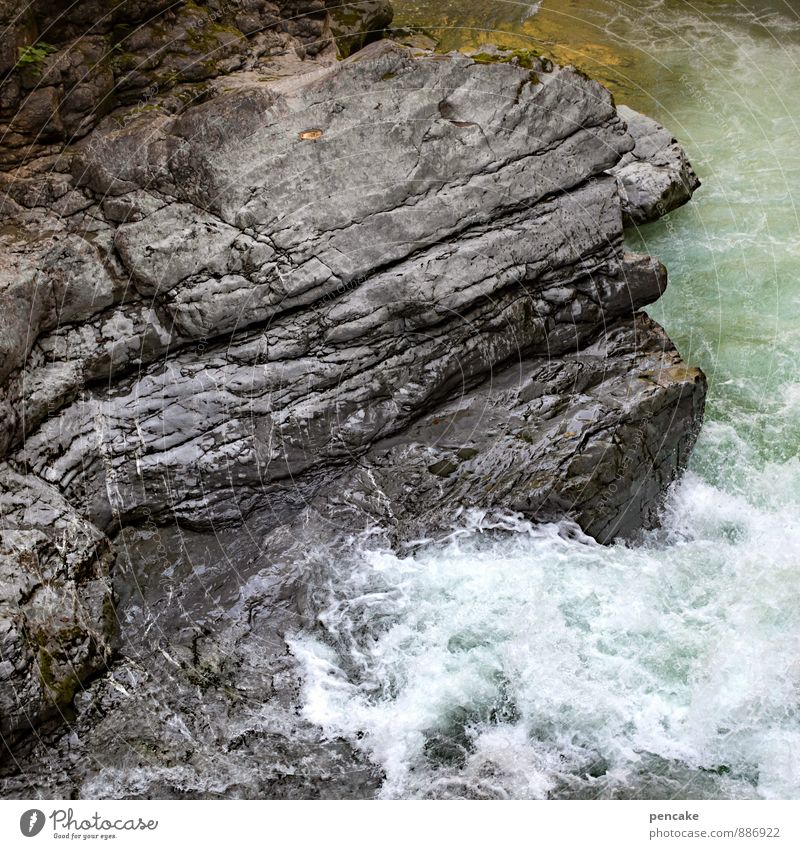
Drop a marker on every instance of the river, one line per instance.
(531, 663)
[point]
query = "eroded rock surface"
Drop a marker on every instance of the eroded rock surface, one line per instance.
(587, 435)
(656, 176)
(57, 623)
(65, 65)
(365, 296)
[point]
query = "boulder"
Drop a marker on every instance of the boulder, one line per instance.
(656, 176)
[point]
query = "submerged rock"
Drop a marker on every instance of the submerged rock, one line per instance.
(365, 296)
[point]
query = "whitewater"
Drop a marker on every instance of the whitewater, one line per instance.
(507, 660)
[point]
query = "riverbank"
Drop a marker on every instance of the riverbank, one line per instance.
(513, 660)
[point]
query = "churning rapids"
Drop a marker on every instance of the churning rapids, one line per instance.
(528, 662)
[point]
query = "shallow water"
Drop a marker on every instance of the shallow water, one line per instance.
(531, 663)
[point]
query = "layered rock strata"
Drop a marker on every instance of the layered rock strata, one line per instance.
(370, 295)
(65, 65)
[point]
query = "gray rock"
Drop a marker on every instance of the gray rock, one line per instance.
(366, 296)
(203, 701)
(589, 435)
(348, 296)
(656, 176)
(56, 616)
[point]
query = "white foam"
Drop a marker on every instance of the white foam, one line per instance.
(551, 655)
(527, 662)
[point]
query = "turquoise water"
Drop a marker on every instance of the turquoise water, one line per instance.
(531, 663)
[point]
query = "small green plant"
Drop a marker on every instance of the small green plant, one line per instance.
(34, 54)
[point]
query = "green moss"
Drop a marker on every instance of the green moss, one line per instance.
(527, 59)
(145, 107)
(206, 37)
(206, 40)
(33, 55)
(60, 686)
(122, 61)
(60, 691)
(347, 16)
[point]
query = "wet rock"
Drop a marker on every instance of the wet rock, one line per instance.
(598, 435)
(370, 295)
(56, 615)
(67, 65)
(656, 176)
(203, 701)
(354, 25)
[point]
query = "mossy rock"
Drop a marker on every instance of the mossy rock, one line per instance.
(528, 60)
(355, 25)
(443, 469)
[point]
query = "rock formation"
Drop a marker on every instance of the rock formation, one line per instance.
(243, 325)
(656, 176)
